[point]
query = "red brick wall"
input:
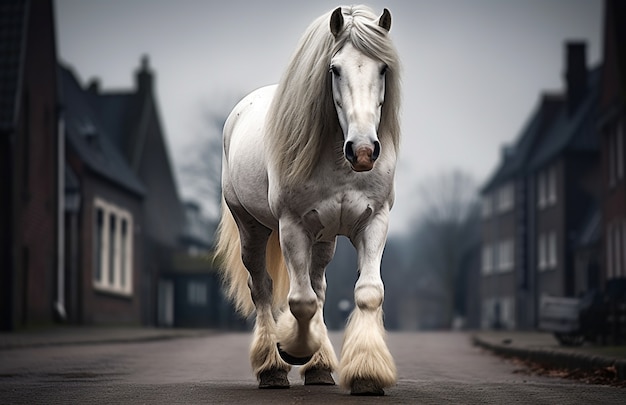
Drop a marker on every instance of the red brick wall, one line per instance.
(35, 192)
(97, 307)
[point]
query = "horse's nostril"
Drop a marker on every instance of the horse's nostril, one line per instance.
(376, 153)
(349, 151)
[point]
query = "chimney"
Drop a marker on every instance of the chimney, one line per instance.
(575, 74)
(94, 85)
(551, 104)
(143, 76)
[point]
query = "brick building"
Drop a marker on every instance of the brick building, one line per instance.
(611, 129)
(30, 156)
(540, 201)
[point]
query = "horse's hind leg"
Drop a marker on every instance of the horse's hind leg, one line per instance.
(319, 370)
(270, 369)
(299, 328)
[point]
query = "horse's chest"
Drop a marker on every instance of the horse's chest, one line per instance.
(333, 205)
(339, 214)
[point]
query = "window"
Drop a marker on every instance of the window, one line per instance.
(506, 196)
(551, 184)
(507, 312)
(546, 187)
(547, 251)
(123, 251)
(487, 205)
(487, 259)
(196, 293)
(616, 249)
(98, 241)
(113, 248)
(615, 141)
(505, 256)
(552, 250)
(498, 313)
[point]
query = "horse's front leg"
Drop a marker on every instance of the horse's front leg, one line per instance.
(298, 328)
(319, 370)
(366, 364)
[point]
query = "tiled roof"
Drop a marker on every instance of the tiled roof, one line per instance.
(12, 35)
(569, 131)
(115, 109)
(550, 131)
(513, 161)
(91, 140)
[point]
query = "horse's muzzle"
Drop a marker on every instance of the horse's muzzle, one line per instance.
(363, 158)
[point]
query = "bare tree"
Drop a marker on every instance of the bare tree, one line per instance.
(446, 227)
(201, 165)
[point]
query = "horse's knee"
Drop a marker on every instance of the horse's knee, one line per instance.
(303, 306)
(368, 297)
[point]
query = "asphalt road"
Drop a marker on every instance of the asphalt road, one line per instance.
(434, 368)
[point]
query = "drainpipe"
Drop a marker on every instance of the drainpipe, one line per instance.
(59, 305)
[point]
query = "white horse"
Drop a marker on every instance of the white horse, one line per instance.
(305, 161)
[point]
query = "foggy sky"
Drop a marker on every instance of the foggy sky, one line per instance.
(473, 71)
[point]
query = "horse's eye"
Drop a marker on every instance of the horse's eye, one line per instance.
(384, 69)
(335, 70)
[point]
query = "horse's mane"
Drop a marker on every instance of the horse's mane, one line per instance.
(302, 116)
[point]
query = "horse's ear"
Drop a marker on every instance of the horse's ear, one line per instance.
(336, 22)
(384, 21)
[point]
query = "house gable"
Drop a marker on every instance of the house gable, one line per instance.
(139, 134)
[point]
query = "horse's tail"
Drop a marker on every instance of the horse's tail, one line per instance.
(234, 273)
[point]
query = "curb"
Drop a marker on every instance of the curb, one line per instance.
(83, 341)
(562, 359)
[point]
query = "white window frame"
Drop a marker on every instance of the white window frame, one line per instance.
(487, 259)
(506, 256)
(553, 251)
(507, 309)
(506, 314)
(197, 293)
(122, 266)
(506, 197)
(487, 312)
(547, 187)
(551, 186)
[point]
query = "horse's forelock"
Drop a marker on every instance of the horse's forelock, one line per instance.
(302, 117)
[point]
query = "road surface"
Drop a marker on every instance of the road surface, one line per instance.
(433, 368)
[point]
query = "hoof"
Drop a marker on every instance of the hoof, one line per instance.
(366, 388)
(318, 376)
(296, 361)
(273, 379)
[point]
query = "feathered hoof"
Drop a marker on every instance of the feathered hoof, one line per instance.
(295, 361)
(366, 388)
(318, 376)
(273, 379)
